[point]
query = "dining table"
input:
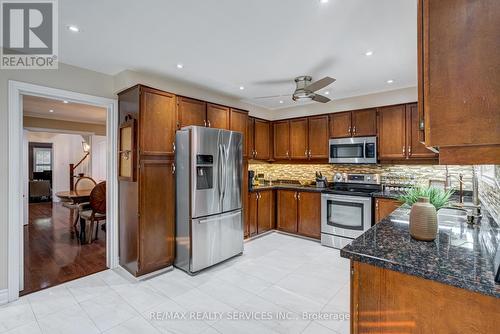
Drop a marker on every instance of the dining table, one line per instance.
(75, 197)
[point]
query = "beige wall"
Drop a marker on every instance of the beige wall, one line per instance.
(66, 77)
(404, 95)
(55, 124)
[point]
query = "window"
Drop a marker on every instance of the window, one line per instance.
(42, 159)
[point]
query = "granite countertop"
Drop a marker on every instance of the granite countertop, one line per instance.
(461, 256)
(285, 186)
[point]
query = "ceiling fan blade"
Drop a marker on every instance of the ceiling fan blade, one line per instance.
(267, 97)
(321, 98)
(322, 83)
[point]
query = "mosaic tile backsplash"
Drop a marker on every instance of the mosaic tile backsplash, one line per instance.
(399, 174)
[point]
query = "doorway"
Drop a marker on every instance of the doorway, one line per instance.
(19, 188)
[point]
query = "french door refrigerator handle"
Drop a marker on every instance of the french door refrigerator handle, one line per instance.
(219, 218)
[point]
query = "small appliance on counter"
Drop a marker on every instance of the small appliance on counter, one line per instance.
(346, 208)
(321, 181)
(251, 175)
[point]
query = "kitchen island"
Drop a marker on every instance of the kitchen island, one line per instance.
(401, 285)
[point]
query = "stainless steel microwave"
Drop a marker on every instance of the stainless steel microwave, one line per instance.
(355, 150)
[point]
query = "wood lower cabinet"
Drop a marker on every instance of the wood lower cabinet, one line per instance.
(217, 116)
(384, 207)
(299, 212)
(299, 148)
(147, 202)
(458, 81)
(309, 214)
(261, 212)
(286, 218)
(191, 112)
(318, 136)
(156, 239)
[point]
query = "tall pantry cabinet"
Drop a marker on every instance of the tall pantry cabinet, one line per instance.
(147, 188)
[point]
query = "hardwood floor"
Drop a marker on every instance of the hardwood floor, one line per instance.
(52, 253)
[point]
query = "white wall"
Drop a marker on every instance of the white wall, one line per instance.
(66, 149)
(98, 151)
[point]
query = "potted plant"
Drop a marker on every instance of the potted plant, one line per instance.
(424, 202)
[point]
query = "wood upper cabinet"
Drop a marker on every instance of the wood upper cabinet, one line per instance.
(191, 112)
(364, 122)
(340, 125)
(309, 214)
(318, 137)
(238, 120)
(250, 137)
(265, 211)
(298, 139)
(287, 211)
(398, 134)
(281, 140)
(458, 81)
(217, 116)
(384, 207)
(392, 132)
(416, 150)
(262, 136)
(356, 123)
(157, 122)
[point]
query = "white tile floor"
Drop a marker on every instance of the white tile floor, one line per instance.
(277, 275)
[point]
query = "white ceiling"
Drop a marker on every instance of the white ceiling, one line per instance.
(76, 112)
(225, 44)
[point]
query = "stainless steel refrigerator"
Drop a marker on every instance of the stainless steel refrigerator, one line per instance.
(209, 222)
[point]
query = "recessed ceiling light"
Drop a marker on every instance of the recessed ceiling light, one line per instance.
(242, 87)
(368, 53)
(180, 66)
(327, 92)
(281, 101)
(323, 1)
(65, 102)
(390, 81)
(51, 110)
(73, 28)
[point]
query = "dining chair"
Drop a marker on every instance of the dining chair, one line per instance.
(92, 213)
(82, 183)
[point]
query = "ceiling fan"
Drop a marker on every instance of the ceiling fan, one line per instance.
(305, 89)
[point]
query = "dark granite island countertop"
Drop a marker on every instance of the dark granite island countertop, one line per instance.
(461, 256)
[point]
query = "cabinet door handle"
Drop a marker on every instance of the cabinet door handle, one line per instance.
(409, 150)
(309, 153)
(354, 130)
(404, 151)
(173, 147)
(349, 130)
(286, 154)
(209, 123)
(173, 168)
(295, 195)
(298, 196)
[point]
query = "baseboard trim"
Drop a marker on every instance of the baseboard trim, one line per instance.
(124, 273)
(4, 296)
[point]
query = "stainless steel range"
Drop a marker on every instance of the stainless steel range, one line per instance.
(346, 208)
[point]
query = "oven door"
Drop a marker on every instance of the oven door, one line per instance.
(357, 150)
(346, 216)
